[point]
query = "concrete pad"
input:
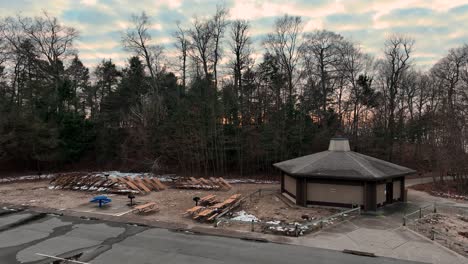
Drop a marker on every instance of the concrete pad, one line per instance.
(427, 252)
(344, 227)
(82, 236)
(329, 241)
(374, 222)
(397, 243)
(25, 234)
(373, 238)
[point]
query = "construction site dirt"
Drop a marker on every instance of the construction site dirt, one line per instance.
(171, 203)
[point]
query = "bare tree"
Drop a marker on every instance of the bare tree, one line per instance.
(51, 42)
(286, 43)
(241, 50)
(352, 64)
(322, 58)
(182, 45)
(219, 25)
(449, 72)
(396, 62)
(240, 47)
(138, 40)
(202, 40)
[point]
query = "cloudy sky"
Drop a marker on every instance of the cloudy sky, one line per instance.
(436, 25)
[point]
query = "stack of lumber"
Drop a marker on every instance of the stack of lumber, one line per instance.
(142, 184)
(93, 182)
(202, 183)
(208, 200)
(210, 213)
(146, 208)
(87, 182)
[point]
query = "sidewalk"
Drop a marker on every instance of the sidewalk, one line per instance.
(382, 236)
(421, 199)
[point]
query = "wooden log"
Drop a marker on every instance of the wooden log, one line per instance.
(202, 180)
(194, 181)
(130, 185)
(70, 182)
(91, 183)
(225, 182)
(139, 183)
(159, 183)
(150, 183)
(204, 213)
(211, 218)
(193, 210)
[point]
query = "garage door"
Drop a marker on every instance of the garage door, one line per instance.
(335, 193)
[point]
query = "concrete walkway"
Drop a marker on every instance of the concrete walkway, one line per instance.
(384, 234)
(384, 237)
(422, 198)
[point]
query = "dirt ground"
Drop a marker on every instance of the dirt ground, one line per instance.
(451, 230)
(172, 203)
(270, 207)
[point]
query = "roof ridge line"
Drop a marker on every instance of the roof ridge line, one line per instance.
(328, 153)
(362, 165)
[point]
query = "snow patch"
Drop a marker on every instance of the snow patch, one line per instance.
(244, 217)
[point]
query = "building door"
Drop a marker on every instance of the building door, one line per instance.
(389, 192)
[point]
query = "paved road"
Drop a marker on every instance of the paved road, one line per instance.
(23, 234)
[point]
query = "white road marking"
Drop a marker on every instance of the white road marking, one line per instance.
(115, 214)
(68, 260)
(123, 213)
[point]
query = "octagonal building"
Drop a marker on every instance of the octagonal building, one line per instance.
(341, 177)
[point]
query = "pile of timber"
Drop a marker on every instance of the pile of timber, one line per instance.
(142, 184)
(93, 182)
(210, 213)
(202, 183)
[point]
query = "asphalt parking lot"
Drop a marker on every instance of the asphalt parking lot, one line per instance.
(29, 237)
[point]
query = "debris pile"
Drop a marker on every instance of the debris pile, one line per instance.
(210, 213)
(202, 183)
(291, 229)
(102, 183)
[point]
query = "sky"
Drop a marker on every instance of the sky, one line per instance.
(436, 26)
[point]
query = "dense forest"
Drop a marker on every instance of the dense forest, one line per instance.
(215, 108)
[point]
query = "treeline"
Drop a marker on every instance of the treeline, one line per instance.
(214, 109)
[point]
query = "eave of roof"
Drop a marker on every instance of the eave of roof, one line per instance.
(354, 166)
